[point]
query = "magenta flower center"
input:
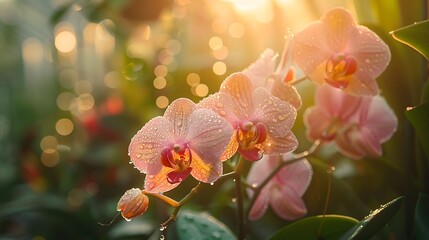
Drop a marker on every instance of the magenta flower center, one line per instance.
(177, 157)
(339, 68)
(250, 135)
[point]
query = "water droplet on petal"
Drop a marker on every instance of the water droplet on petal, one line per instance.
(219, 105)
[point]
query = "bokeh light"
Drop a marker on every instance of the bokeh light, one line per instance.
(65, 100)
(65, 41)
(49, 144)
(160, 71)
(219, 68)
(64, 126)
(85, 102)
(162, 102)
(201, 90)
(159, 82)
(236, 30)
(32, 50)
(50, 158)
(193, 79)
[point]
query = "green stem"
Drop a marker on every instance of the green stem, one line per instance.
(239, 195)
(180, 204)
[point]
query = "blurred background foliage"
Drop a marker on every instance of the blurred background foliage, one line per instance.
(79, 78)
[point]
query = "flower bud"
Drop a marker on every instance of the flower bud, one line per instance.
(132, 204)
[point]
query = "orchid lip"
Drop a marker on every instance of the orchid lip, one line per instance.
(178, 157)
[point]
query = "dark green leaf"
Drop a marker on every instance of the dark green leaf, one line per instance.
(421, 224)
(330, 227)
(192, 225)
(415, 36)
(419, 118)
(374, 222)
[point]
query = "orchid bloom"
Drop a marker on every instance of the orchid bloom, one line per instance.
(262, 74)
(337, 51)
(284, 191)
(186, 140)
(262, 123)
(358, 125)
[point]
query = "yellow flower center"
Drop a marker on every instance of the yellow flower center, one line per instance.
(250, 135)
(339, 69)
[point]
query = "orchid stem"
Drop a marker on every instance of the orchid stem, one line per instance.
(180, 204)
(239, 195)
(164, 198)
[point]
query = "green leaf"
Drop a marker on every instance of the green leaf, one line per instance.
(421, 222)
(374, 222)
(332, 227)
(415, 36)
(419, 118)
(192, 225)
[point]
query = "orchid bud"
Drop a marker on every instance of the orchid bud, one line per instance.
(132, 204)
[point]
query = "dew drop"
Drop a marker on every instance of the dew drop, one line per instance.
(367, 60)
(161, 237)
(219, 105)
(212, 183)
(138, 155)
(234, 200)
(222, 112)
(282, 117)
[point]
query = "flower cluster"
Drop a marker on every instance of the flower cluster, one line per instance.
(254, 111)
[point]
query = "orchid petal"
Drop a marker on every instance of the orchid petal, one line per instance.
(278, 117)
(220, 102)
(253, 154)
(350, 143)
(261, 204)
(316, 121)
(231, 149)
(286, 93)
(338, 23)
(178, 113)
(260, 71)
(297, 176)
(209, 134)
(146, 146)
(257, 174)
(336, 103)
(287, 203)
(310, 51)
(158, 183)
(240, 88)
(373, 56)
(362, 84)
(203, 171)
(381, 119)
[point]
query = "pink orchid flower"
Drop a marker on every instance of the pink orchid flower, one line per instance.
(284, 191)
(262, 123)
(263, 74)
(337, 51)
(186, 140)
(358, 125)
